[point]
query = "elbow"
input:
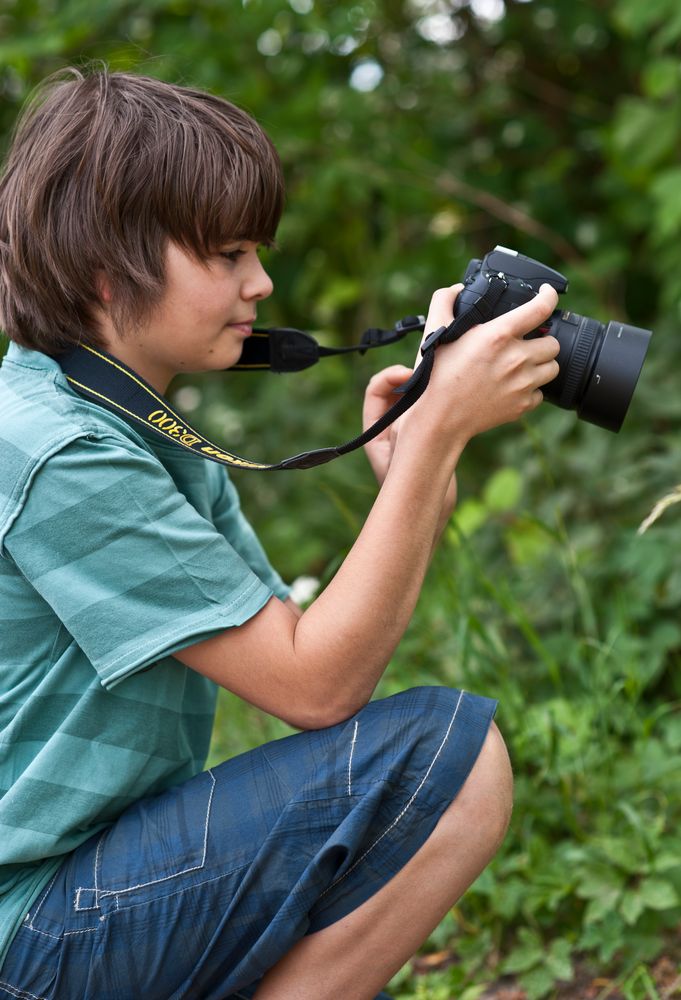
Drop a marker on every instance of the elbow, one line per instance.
(328, 712)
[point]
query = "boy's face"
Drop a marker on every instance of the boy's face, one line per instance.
(200, 324)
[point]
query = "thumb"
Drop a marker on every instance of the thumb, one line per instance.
(379, 396)
(384, 382)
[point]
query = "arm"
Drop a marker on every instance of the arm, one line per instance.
(319, 668)
(379, 397)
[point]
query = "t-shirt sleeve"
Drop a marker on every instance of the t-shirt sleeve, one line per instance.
(230, 520)
(128, 565)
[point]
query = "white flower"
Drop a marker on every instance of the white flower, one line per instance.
(303, 589)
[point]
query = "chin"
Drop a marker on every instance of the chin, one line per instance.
(222, 359)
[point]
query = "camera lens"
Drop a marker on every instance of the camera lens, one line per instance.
(599, 367)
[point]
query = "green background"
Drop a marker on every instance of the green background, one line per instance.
(416, 135)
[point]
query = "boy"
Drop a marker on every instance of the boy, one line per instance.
(131, 586)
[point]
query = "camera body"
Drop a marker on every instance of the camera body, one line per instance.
(599, 363)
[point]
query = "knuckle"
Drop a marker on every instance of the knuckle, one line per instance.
(497, 338)
(515, 360)
(530, 401)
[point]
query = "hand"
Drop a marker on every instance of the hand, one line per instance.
(378, 398)
(490, 375)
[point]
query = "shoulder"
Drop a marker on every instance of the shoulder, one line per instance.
(43, 421)
(37, 403)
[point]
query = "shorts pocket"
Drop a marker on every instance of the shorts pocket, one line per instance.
(156, 840)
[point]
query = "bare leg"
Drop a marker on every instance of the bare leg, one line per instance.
(356, 956)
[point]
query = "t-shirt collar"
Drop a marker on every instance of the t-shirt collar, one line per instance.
(33, 359)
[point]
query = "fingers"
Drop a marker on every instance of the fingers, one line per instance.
(536, 398)
(527, 317)
(379, 395)
(541, 349)
(543, 374)
(384, 382)
(441, 309)
(516, 323)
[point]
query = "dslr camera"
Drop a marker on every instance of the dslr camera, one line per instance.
(599, 363)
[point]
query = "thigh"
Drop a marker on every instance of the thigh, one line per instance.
(197, 892)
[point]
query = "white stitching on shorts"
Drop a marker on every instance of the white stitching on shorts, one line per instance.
(408, 805)
(81, 909)
(166, 878)
(177, 892)
(58, 937)
(352, 750)
(45, 895)
(98, 862)
(16, 992)
(76, 899)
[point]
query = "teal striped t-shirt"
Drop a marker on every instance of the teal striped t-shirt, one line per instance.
(115, 552)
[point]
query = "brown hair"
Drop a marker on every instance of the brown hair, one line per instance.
(103, 170)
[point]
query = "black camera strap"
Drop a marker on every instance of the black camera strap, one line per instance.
(284, 349)
(105, 380)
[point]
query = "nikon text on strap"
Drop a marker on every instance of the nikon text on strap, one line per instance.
(105, 380)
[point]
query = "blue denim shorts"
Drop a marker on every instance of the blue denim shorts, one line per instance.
(197, 892)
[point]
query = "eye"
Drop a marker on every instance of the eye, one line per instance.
(232, 255)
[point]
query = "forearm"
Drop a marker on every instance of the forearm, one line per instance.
(350, 632)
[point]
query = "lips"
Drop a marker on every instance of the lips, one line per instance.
(245, 327)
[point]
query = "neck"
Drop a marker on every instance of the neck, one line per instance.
(156, 374)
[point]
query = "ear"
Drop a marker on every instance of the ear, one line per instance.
(103, 286)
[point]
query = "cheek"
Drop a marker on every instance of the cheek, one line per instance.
(195, 321)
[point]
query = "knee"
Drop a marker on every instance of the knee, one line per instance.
(483, 806)
(495, 780)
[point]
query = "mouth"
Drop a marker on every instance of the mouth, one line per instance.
(245, 328)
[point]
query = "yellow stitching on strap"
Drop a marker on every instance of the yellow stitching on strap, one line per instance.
(225, 457)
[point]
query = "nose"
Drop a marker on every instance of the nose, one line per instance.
(257, 283)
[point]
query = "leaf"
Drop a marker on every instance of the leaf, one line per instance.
(473, 992)
(538, 982)
(644, 133)
(605, 937)
(558, 959)
(502, 492)
(640, 18)
(631, 906)
(599, 908)
(667, 196)
(658, 894)
(667, 861)
(527, 954)
(599, 881)
(528, 541)
(469, 516)
(661, 77)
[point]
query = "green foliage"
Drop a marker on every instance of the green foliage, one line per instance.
(414, 136)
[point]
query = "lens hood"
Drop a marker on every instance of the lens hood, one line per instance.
(614, 375)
